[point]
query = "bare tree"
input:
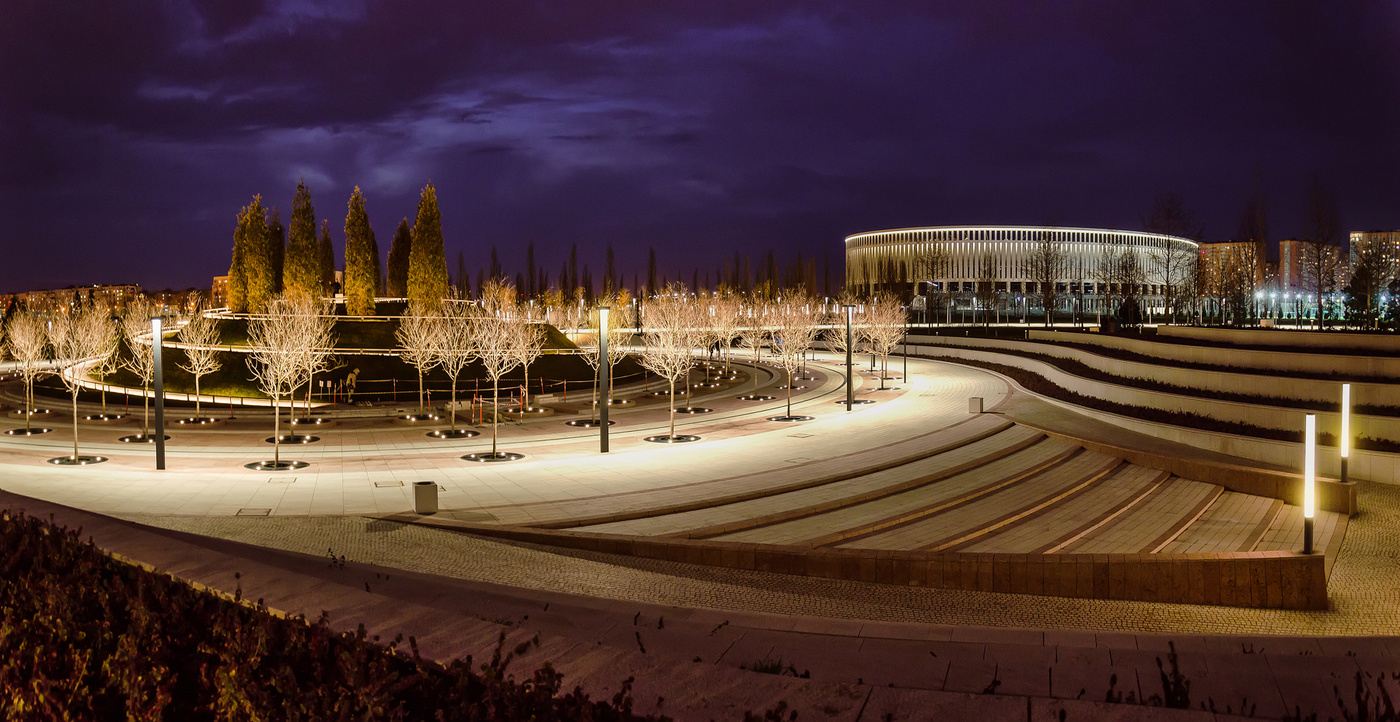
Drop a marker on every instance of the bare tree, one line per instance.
(79, 337)
(668, 320)
(885, 324)
(752, 332)
(1320, 250)
(1172, 263)
(107, 364)
(136, 327)
(498, 332)
(27, 340)
(455, 349)
(529, 344)
(1046, 265)
(200, 336)
(798, 321)
(418, 335)
(727, 319)
(277, 361)
(986, 292)
(931, 265)
(315, 326)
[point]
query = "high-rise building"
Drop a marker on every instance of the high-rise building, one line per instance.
(1389, 240)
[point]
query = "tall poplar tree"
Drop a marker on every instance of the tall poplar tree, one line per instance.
(259, 284)
(237, 270)
(327, 256)
(360, 262)
(276, 247)
(427, 262)
(302, 269)
(398, 260)
(378, 267)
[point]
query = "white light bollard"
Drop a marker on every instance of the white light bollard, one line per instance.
(1309, 479)
(1344, 443)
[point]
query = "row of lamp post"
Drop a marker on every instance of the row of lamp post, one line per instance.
(1310, 463)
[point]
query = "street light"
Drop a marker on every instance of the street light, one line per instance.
(605, 377)
(1346, 428)
(1309, 479)
(850, 390)
(160, 393)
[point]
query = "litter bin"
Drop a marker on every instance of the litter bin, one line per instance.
(974, 406)
(425, 497)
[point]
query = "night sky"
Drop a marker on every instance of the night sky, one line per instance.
(131, 132)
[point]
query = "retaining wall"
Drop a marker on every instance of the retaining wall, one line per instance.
(1378, 343)
(1281, 361)
(1279, 580)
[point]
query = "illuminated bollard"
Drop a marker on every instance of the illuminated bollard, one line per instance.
(1309, 480)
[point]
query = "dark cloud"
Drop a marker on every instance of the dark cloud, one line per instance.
(131, 132)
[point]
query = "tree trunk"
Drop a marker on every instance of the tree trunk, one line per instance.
(276, 433)
(196, 400)
(28, 402)
(789, 393)
(673, 406)
(452, 409)
(525, 394)
(145, 413)
(495, 410)
(75, 423)
(420, 391)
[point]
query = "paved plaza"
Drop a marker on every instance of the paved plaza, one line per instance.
(914, 470)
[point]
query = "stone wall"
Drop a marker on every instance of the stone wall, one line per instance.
(1377, 343)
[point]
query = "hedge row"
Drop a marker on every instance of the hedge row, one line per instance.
(84, 636)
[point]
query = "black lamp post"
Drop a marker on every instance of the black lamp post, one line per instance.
(160, 392)
(605, 378)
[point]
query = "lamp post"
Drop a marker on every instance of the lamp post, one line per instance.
(1345, 444)
(605, 378)
(160, 393)
(850, 391)
(1309, 479)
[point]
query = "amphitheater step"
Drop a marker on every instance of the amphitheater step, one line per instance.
(676, 498)
(1235, 522)
(855, 520)
(1159, 515)
(1074, 515)
(993, 511)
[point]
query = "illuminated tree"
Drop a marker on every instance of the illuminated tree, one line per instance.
(302, 269)
(884, 328)
(77, 337)
(108, 362)
(251, 280)
(669, 338)
(276, 239)
(200, 336)
(326, 257)
(752, 333)
(1321, 250)
(427, 263)
(498, 334)
(361, 264)
(797, 322)
(617, 330)
(277, 359)
(418, 335)
(27, 340)
(136, 328)
(313, 324)
(528, 347)
(455, 347)
(399, 251)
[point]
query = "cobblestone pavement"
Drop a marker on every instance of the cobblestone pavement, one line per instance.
(1364, 587)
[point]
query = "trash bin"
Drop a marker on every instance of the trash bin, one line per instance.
(974, 406)
(425, 497)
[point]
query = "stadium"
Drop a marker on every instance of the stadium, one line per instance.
(899, 260)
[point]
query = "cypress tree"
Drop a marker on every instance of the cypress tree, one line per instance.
(327, 257)
(237, 270)
(302, 273)
(378, 267)
(359, 259)
(427, 262)
(398, 260)
(276, 240)
(259, 284)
